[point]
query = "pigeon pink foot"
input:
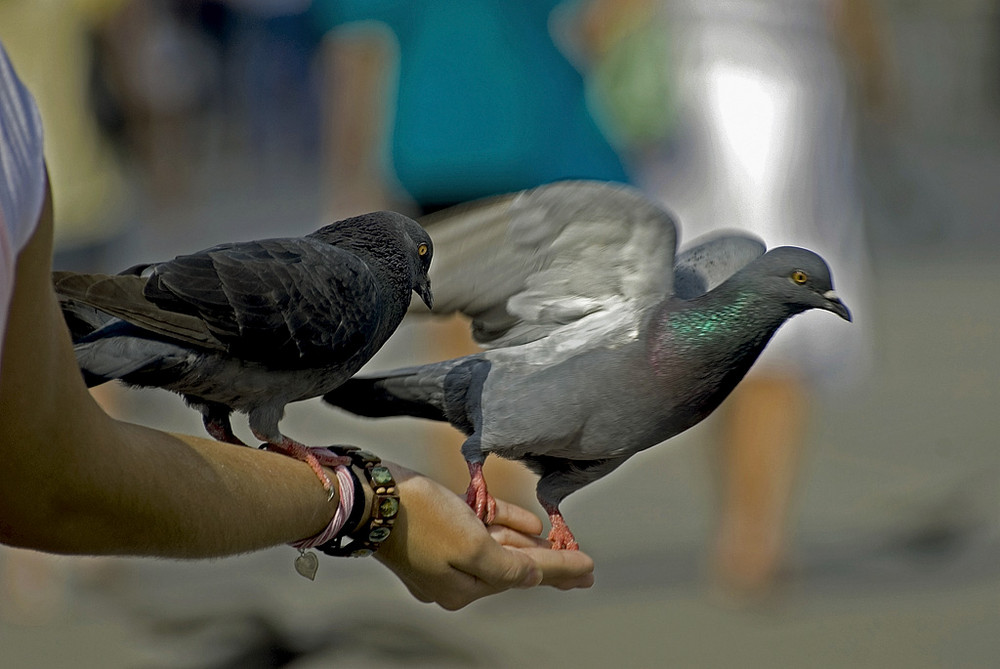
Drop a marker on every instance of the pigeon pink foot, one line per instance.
(560, 535)
(316, 458)
(478, 497)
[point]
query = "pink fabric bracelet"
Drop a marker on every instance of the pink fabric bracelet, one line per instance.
(344, 506)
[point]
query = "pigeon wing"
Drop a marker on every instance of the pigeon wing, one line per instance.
(84, 297)
(276, 301)
(524, 264)
(713, 258)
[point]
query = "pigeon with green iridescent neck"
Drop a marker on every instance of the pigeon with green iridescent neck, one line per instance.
(599, 341)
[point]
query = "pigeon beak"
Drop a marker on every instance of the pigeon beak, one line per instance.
(834, 304)
(423, 289)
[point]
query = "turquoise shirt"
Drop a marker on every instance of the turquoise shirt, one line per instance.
(485, 102)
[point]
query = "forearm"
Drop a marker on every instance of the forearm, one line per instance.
(80, 482)
(176, 496)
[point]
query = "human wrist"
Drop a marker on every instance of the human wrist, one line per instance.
(380, 508)
(367, 508)
(347, 487)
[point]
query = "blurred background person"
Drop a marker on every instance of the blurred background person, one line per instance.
(442, 104)
(767, 92)
(153, 77)
(430, 104)
(95, 205)
(267, 51)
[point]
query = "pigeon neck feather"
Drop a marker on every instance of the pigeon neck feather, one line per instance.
(724, 330)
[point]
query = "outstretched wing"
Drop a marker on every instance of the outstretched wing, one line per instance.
(713, 258)
(524, 264)
(274, 301)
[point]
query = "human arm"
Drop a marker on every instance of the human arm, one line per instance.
(355, 62)
(862, 35)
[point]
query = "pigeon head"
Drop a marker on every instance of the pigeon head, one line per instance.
(800, 279)
(421, 251)
(386, 235)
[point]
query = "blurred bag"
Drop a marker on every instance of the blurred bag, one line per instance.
(631, 87)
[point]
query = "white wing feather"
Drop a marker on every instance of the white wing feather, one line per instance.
(526, 264)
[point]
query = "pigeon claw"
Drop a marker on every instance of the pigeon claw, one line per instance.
(316, 458)
(560, 536)
(478, 497)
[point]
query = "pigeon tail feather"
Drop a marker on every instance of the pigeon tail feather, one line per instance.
(438, 391)
(372, 398)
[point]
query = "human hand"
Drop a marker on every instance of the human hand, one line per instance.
(443, 553)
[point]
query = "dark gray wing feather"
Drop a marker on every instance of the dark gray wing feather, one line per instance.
(274, 301)
(86, 296)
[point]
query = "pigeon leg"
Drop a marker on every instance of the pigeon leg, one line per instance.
(215, 417)
(560, 478)
(220, 429)
(478, 497)
(560, 536)
(316, 459)
(264, 425)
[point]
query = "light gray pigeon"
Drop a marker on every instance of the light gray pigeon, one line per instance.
(599, 342)
(252, 326)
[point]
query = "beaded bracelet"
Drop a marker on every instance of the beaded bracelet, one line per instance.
(367, 538)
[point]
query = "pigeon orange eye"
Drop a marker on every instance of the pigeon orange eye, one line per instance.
(422, 249)
(799, 277)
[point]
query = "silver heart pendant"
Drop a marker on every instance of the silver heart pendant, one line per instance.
(307, 564)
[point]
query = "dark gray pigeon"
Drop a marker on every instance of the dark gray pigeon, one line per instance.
(252, 326)
(600, 343)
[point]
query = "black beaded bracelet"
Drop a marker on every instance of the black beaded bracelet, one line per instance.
(367, 539)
